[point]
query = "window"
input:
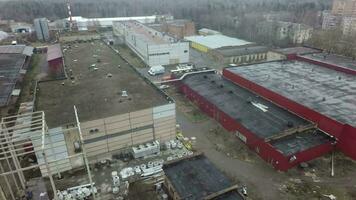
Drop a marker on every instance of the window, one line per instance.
(185, 51)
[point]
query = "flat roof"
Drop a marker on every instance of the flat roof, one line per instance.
(217, 41)
(261, 117)
(146, 33)
(333, 59)
(299, 142)
(237, 51)
(16, 49)
(326, 91)
(10, 68)
(94, 92)
(197, 177)
(244, 106)
(297, 50)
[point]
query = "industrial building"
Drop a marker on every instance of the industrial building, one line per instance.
(206, 31)
(117, 107)
(14, 60)
(292, 52)
(318, 90)
(196, 177)
(153, 47)
(210, 42)
(277, 135)
(241, 55)
(85, 24)
(42, 29)
(178, 28)
(55, 61)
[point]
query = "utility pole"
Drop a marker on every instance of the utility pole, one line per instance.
(332, 164)
(86, 162)
(70, 15)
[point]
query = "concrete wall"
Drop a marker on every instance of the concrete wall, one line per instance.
(122, 131)
(166, 54)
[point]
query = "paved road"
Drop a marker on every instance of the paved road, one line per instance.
(203, 60)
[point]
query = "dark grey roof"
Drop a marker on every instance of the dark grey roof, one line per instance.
(297, 50)
(338, 60)
(239, 51)
(10, 67)
(196, 177)
(324, 90)
(239, 105)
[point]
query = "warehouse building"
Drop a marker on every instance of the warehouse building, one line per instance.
(117, 107)
(241, 55)
(210, 42)
(153, 47)
(14, 60)
(206, 31)
(85, 24)
(196, 177)
(55, 61)
(178, 28)
(277, 135)
(292, 52)
(321, 92)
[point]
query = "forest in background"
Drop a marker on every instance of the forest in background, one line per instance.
(239, 18)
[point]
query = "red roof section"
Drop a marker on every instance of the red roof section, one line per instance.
(54, 52)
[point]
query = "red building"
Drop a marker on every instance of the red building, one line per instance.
(280, 137)
(311, 86)
(55, 61)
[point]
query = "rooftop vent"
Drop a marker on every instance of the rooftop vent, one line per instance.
(221, 86)
(124, 93)
(212, 81)
(231, 92)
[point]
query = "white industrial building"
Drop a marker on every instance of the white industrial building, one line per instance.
(83, 24)
(152, 46)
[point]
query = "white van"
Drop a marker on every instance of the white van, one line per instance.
(156, 70)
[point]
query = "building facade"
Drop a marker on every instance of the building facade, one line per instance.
(241, 55)
(152, 46)
(179, 28)
(343, 15)
(348, 25)
(42, 29)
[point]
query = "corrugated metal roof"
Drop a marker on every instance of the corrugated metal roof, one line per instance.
(12, 49)
(54, 52)
(217, 41)
(28, 51)
(16, 49)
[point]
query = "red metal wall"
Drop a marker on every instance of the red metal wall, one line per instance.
(340, 131)
(265, 150)
(56, 67)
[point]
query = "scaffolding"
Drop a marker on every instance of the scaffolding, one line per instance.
(27, 134)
